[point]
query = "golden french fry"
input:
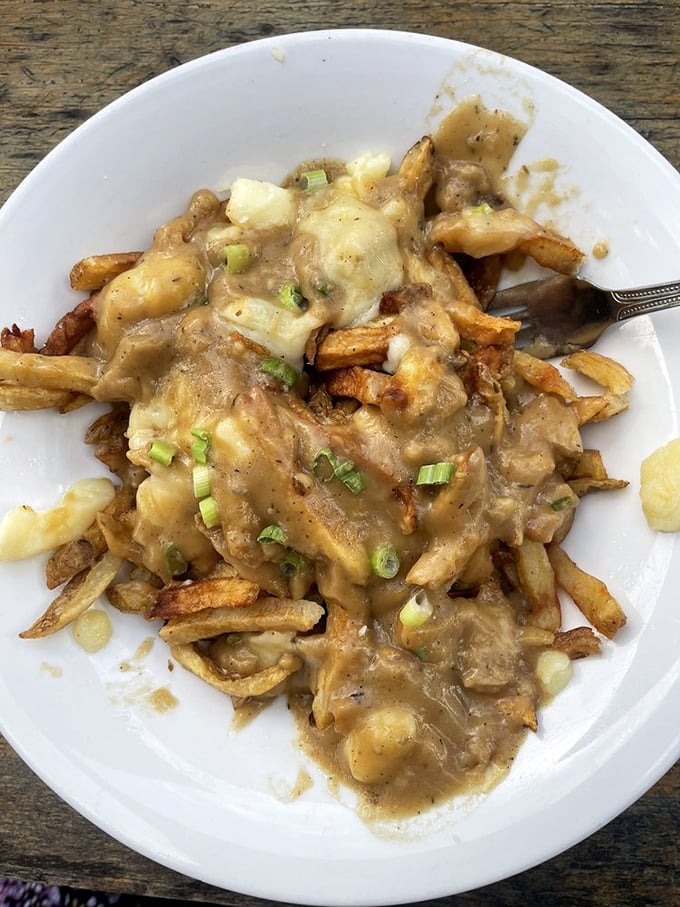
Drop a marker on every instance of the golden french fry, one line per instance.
(416, 169)
(362, 384)
(93, 272)
(70, 329)
(585, 484)
(257, 684)
(588, 408)
(605, 371)
(72, 373)
(589, 465)
(15, 397)
(480, 233)
(73, 557)
(17, 339)
(227, 592)
(590, 594)
(473, 324)
(578, 643)
(264, 614)
(542, 375)
(449, 268)
(537, 585)
(76, 597)
(354, 346)
(613, 405)
(133, 597)
(520, 710)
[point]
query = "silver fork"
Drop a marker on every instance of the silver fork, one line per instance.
(563, 314)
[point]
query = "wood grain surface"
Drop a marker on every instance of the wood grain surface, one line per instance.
(62, 61)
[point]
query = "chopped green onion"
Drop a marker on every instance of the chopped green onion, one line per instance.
(175, 561)
(236, 257)
(323, 289)
(201, 445)
(417, 610)
(291, 562)
(209, 511)
(385, 562)
(435, 474)
(561, 503)
(422, 654)
(350, 476)
(162, 452)
(345, 470)
(483, 208)
(272, 534)
(291, 298)
(281, 370)
(201, 480)
(324, 472)
(313, 179)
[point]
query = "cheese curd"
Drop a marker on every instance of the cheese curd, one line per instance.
(660, 487)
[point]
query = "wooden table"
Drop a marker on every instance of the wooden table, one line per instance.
(62, 61)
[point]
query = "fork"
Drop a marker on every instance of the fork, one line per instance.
(563, 314)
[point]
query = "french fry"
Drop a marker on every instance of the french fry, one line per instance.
(446, 265)
(586, 484)
(362, 384)
(133, 597)
(589, 465)
(578, 643)
(258, 684)
(587, 409)
(70, 329)
(18, 340)
(186, 598)
(520, 710)
(354, 346)
(542, 375)
(72, 373)
(73, 557)
(604, 371)
(590, 594)
(16, 398)
(537, 584)
(416, 169)
(486, 330)
(76, 597)
(264, 614)
(93, 272)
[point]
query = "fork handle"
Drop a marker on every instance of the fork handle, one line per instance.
(645, 299)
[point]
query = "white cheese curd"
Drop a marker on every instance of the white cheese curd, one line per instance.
(92, 629)
(366, 170)
(266, 321)
(358, 248)
(396, 350)
(260, 204)
(660, 487)
(553, 671)
(146, 421)
(25, 532)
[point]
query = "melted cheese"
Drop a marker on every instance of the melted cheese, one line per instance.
(25, 532)
(358, 247)
(283, 332)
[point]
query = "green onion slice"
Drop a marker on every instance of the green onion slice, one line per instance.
(483, 208)
(162, 452)
(561, 503)
(281, 370)
(291, 298)
(327, 465)
(210, 512)
(291, 562)
(236, 257)
(200, 476)
(175, 561)
(385, 562)
(436, 474)
(201, 445)
(417, 610)
(271, 534)
(312, 180)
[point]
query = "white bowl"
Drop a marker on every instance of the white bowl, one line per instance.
(178, 787)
